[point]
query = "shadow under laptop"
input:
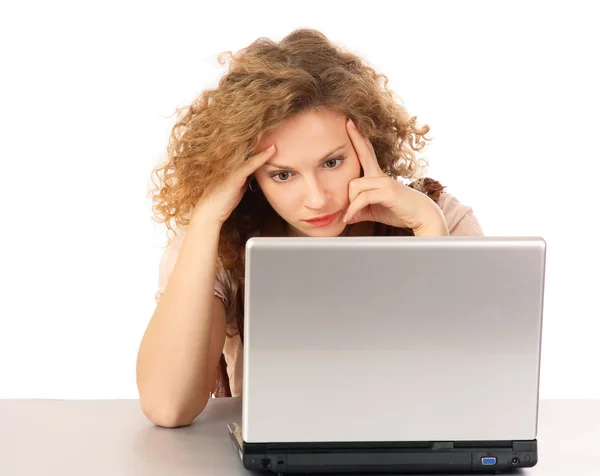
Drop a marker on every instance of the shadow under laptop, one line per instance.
(515, 472)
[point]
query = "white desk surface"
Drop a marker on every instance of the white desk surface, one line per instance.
(113, 438)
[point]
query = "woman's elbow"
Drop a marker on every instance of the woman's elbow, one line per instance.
(169, 415)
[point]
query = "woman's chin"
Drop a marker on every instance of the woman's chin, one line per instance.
(335, 229)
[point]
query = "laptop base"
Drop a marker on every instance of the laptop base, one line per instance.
(387, 457)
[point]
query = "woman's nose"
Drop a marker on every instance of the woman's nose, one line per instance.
(315, 195)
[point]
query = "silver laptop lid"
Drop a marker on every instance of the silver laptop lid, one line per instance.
(392, 338)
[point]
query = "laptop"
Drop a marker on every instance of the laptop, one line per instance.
(391, 354)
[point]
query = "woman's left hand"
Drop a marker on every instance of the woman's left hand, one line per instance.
(378, 197)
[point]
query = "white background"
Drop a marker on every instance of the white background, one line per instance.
(88, 93)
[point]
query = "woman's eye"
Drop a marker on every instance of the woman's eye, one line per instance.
(333, 163)
(282, 176)
(329, 164)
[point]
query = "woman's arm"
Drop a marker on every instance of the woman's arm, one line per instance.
(184, 340)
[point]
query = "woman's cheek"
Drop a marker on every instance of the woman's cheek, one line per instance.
(280, 197)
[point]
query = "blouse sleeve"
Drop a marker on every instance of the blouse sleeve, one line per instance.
(460, 218)
(167, 264)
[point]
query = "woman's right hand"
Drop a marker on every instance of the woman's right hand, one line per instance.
(219, 201)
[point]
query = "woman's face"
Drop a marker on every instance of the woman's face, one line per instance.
(308, 176)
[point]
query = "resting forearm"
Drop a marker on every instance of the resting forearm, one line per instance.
(172, 361)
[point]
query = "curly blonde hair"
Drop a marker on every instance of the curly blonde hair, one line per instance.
(267, 83)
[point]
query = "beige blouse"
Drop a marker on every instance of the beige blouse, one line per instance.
(460, 220)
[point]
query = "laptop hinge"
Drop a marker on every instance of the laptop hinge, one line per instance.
(442, 445)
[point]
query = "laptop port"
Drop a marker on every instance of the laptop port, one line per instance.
(265, 462)
(516, 461)
(488, 460)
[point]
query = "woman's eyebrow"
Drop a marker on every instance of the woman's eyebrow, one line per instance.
(327, 156)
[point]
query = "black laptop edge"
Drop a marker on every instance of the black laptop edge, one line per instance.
(388, 457)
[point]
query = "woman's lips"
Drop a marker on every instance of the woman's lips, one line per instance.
(323, 220)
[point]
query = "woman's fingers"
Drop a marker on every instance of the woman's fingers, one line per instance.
(256, 161)
(364, 151)
(364, 199)
(362, 184)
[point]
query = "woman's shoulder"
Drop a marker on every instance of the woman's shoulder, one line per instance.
(460, 218)
(224, 284)
(167, 263)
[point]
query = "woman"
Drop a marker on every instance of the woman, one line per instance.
(299, 139)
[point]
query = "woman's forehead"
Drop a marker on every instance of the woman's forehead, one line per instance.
(310, 135)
